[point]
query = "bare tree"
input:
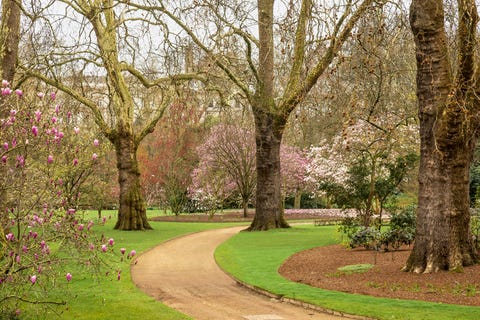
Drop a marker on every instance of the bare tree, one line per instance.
(278, 69)
(102, 59)
(449, 128)
(229, 151)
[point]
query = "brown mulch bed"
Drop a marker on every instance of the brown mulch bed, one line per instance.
(318, 267)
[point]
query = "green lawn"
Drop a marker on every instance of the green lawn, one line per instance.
(89, 298)
(254, 258)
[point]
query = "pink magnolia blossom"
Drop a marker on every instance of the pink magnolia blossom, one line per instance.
(5, 83)
(38, 115)
(94, 156)
(33, 279)
(20, 162)
(80, 227)
(10, 237)
(122, 250)
(19, 93)
(111, 242)
(6, 91)
(132, 253)
(50, 159)
(5, 146)
(4, 159)
(118, 274)
(68, 276)
(35, 131)
(75, 161)
(40, 95)
(54, 119)
(96, 142)
(53, 95)
(104, 248)
(76, 130)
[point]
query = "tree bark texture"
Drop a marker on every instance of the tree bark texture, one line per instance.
(132, 214)
(268, 137)
(448, 113)
(9, 38)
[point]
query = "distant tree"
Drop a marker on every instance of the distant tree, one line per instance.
(364, 166)
(227, 158)
(168, 156)
(294, 173)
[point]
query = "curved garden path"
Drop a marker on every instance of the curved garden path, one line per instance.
(183, 274)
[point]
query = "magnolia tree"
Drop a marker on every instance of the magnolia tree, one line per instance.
(294, 173)
(41, 234)
(227, 167)
(363, 166)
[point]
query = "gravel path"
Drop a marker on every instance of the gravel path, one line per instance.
(183, 274)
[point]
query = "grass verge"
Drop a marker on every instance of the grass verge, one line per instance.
(254, 258)
(106, 298)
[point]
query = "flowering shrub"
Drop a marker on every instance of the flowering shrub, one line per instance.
(40, 230)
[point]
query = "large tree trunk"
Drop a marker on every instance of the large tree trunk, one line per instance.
(132, 214)
(268, 210)
(448, 137)
(443, 238)
(268, 131)
(9, 38)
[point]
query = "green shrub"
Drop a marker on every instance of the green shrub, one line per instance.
(402, 229)
(366, 237)
(475, 226)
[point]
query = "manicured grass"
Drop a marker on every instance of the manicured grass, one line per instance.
(254, 258)
(106, 298)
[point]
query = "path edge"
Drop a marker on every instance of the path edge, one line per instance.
(292, 301)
